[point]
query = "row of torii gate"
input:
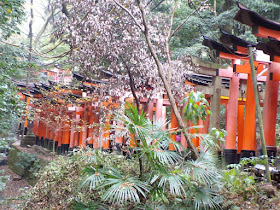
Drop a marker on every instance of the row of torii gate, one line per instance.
(241, 111)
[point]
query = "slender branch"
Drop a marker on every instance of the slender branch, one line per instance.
(130, 14)
(181, 25)
(14, 45)
(167, 43)
(30, 43)
(40, 33)
(52, 49)
(43, 56)
(165, 82)
(132, 85)
(157, 5)
(34, 51)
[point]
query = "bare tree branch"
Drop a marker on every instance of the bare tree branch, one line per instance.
(44, 28)
(157, 5)
(130, 14)
(132, 85)
(167, 42)
(181, 25)
(165, 82)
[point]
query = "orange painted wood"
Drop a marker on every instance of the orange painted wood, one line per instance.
(66, 133)
(48, 131)
(173, 126)
(246, 68)
(39, 129)
(249, 138)
(265, 32)
(206, 124)
(119, 138)
(270, 105)
(242, 50)
(26, 112)
(59, 138)
(106, 133)
(96, 138)
(51, 135)
(276, 58)
(76, 139)
(35, 128)
(44, 131)
(150, 110)
(164, 115)
(195, 140)
(72, 130)
(274, 76)
(85, 126)
(183, 139)
(232, 56)
(77, 133)
(231, 118)
(91, 126)
(158, 111)
(240, 127)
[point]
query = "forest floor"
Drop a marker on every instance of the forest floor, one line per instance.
(16, 187)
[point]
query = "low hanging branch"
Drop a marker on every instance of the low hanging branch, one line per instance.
(165, 82)
(132, 85)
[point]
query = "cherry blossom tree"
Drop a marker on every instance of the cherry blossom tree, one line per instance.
(126, 44)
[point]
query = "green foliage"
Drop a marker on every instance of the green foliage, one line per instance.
(196, 107)
(150, 175)
(249, 162)
(3, 180)
(204, 22)
(11, 14)
(11, 107)
(240, 183)
(28, 163)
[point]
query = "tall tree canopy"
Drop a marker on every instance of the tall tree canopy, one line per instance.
(11, 63)
(104, 37)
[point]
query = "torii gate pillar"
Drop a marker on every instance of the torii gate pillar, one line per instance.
(249, 139)
(230, 151)
(270, 110)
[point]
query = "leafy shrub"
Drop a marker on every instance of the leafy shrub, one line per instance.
(149, 176)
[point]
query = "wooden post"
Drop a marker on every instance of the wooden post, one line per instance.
(270, 109)
(72, 132)
(159, 105)
(249, 138)
(85, 125)
(215, 117)
(230, 150)
(240, 127)
(150, 110)
(174, 126)
(259, 115)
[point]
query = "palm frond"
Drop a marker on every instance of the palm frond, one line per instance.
(175, 182)
(203, 170)
(206, 198)
(165, 156)
(93, 178)
(79, 205)
(125, 190)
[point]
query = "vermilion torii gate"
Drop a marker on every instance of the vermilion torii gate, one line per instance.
(235, 49)
(238, 123)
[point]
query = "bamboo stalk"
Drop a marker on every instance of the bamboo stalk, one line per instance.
(259, 115)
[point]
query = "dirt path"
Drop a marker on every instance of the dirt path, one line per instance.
(15, 187)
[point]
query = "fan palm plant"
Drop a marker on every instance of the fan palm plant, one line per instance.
(164, 175)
